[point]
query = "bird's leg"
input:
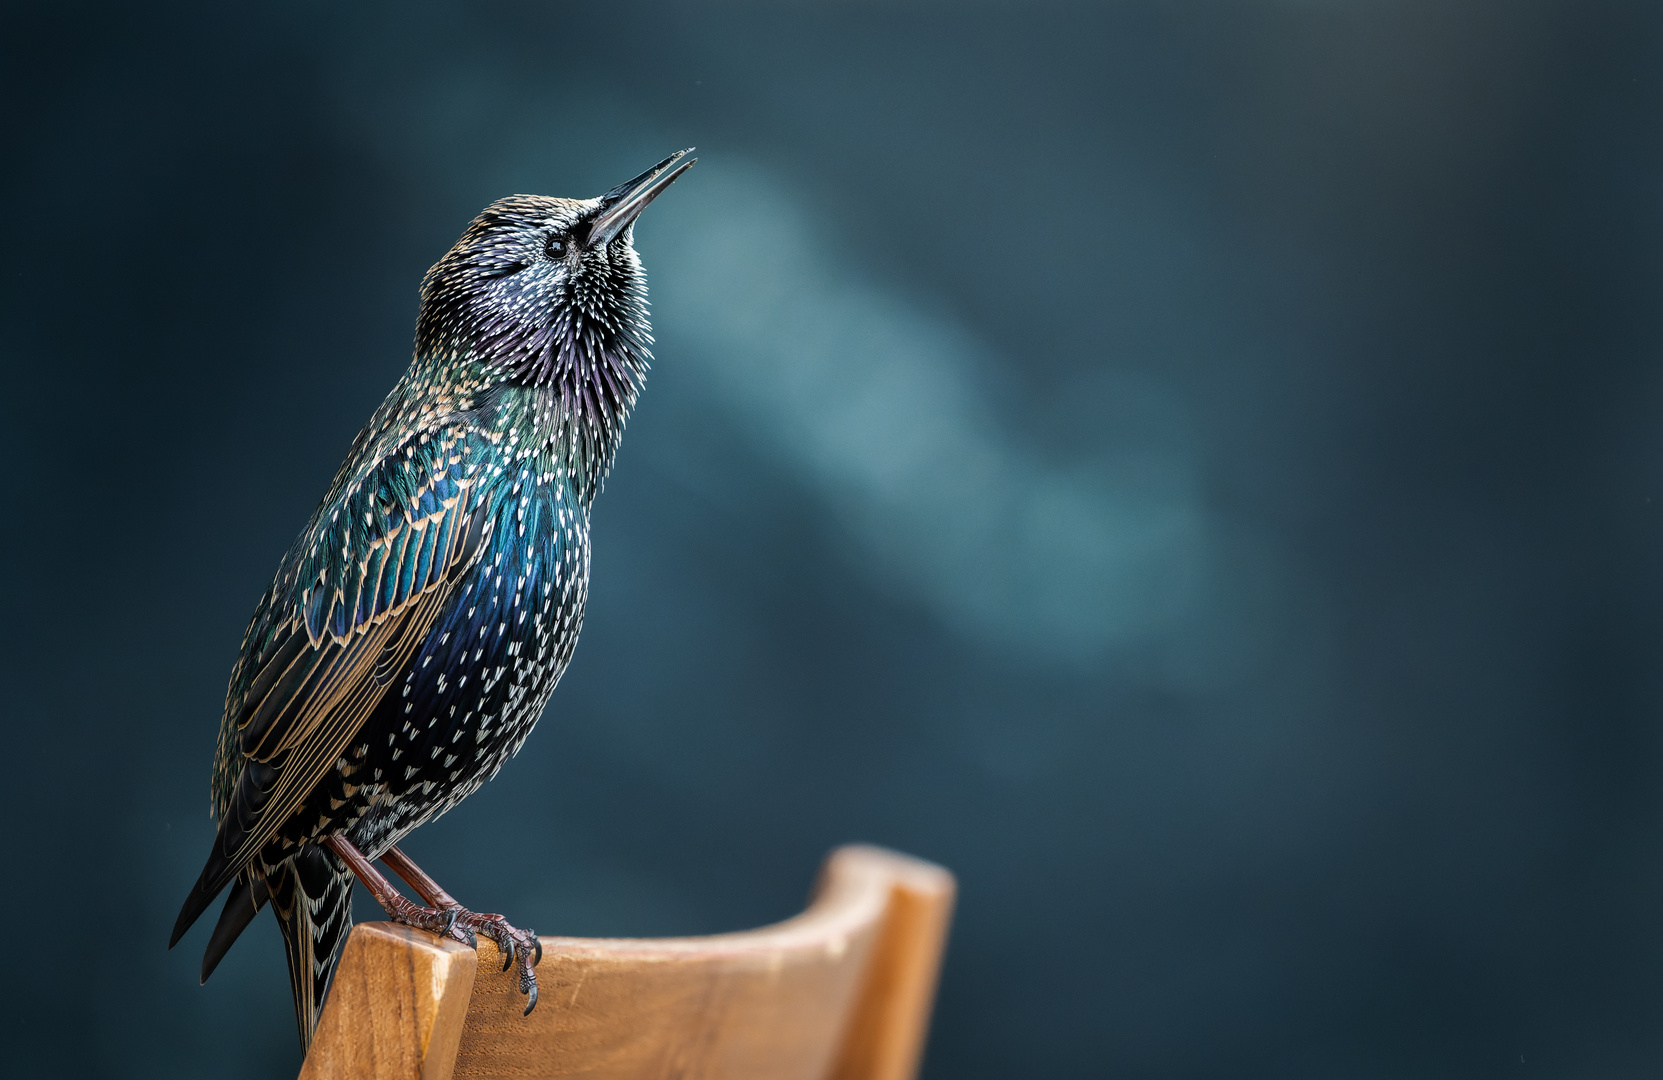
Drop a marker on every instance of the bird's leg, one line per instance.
(415, 877)
(513, 943)
(441, 921)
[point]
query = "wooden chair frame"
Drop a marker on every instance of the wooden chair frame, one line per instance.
(840, 992)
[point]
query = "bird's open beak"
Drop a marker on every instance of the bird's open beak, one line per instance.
(625, 202)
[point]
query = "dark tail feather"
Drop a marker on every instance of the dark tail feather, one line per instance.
(240, 818)
(312, 899)
(215, 876)
(244, 902)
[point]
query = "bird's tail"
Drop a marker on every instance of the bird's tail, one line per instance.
(312, 899)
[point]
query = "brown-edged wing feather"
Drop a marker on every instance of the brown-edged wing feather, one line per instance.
(321, 678)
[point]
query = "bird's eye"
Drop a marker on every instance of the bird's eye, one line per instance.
(555, 248)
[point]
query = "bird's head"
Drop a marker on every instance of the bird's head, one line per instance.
(549, 292)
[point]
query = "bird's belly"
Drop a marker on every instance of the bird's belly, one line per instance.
(469, 697)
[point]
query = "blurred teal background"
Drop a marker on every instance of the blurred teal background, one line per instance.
(1190, 467)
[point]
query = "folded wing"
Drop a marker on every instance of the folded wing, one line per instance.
(355, 598)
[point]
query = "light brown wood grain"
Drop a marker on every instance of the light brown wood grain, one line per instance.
(885, 1036)
(840, 992)
(395, 1009)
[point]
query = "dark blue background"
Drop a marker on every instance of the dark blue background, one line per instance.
(1191, 468)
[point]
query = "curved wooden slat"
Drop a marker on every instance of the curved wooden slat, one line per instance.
(395, 1008)
(884, 1038)
(840, 992)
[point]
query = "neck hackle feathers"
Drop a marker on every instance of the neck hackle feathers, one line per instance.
(523, 298)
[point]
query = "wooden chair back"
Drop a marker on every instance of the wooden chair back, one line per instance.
(839, 992)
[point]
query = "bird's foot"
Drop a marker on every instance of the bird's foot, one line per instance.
(459, 924)
(518, 947)
(441, 921)
(446, 917)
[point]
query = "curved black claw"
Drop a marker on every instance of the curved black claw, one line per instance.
(454, 928)
(518, 947)
(530, 991)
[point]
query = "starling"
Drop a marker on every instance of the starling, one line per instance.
(417, 626)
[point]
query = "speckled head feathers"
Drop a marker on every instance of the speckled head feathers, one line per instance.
(548, 292)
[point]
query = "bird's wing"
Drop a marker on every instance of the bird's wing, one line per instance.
(356, 597)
